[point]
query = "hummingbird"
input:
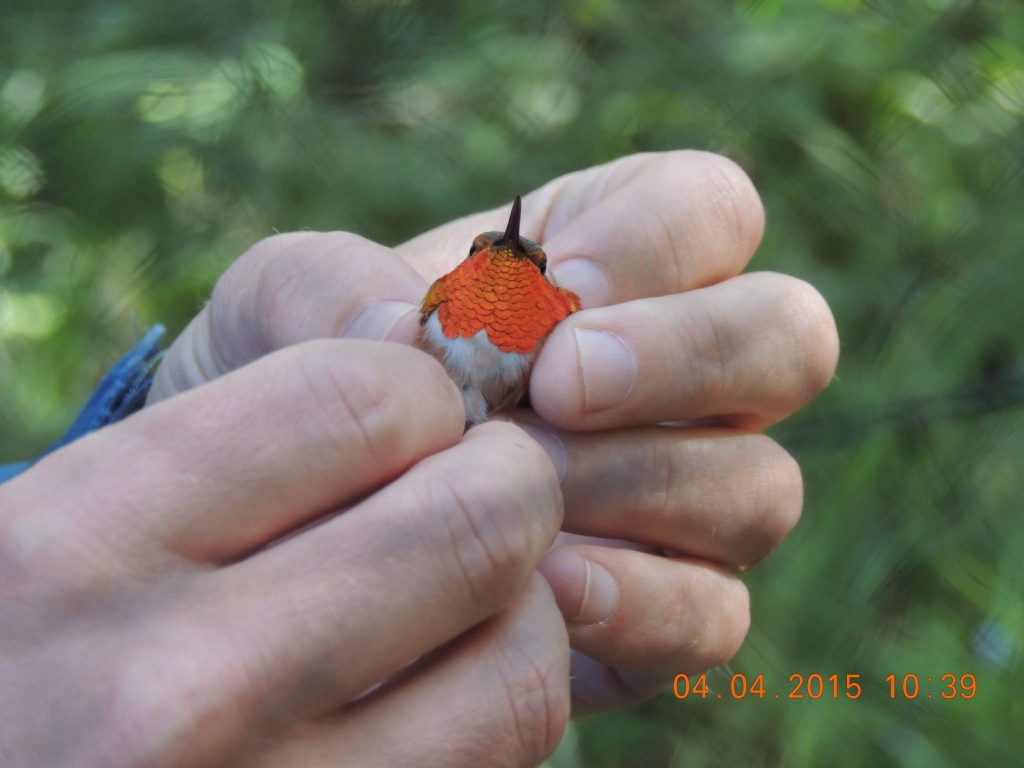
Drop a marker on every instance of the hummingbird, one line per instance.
(486, 320)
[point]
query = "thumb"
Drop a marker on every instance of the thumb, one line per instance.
(288, 289)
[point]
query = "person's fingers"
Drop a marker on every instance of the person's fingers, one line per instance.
(219, 471)
(288, 289)
(749, 351)
(498, 696)
(722, 494)
(647, 617)
(644, 225)
(438, 550)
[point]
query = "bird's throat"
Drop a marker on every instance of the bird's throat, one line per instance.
(504, 295)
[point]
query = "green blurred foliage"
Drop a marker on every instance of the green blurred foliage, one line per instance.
(141, 151)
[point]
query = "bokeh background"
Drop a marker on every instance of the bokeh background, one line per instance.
(144, 146)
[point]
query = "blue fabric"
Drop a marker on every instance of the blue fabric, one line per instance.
(119, 394)
(7, 471)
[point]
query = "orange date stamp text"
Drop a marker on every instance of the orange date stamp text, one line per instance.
(815, 686)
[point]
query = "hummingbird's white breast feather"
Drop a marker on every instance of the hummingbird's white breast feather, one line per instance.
(483, 372)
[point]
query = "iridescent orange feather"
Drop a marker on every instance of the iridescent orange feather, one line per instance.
(507, 296)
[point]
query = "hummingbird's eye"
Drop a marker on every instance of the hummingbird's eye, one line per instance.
(543, 267)
(480, 242)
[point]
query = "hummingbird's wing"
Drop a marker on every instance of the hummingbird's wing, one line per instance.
(512, 399)
(436, 296)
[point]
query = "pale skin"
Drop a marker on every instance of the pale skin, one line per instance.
(144, 620)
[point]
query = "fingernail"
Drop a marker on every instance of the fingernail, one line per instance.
(585, 591)
(378, 320)
(586, 279)
(550, 442)
(607, 367)
(600, 595)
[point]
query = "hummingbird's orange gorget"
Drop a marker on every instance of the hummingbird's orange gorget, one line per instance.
(503, 293)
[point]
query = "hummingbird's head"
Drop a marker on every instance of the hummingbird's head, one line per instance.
(509, 242)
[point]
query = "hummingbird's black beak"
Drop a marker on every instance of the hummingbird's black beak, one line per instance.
(511, 235)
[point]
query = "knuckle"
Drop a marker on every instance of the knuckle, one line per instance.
(732, 625)
(352, 397)
(811, 329)
(184, 682)
(284, 276)
(534, 686)
(734, 207)
(277, 285)
(735, 202)
(500, 516)
(523, 471)
(62, 549)
(706, 632)
(709, 352)
(277, 292)
(488, 556)
(530, 458)
(238, 276)
(724, 631)
(241, 291)
(777, 500)
(664, 469)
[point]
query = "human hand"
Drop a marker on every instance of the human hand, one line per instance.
(654, 245)
(145, 621)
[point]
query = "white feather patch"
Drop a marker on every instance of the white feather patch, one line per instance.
(478, 367)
